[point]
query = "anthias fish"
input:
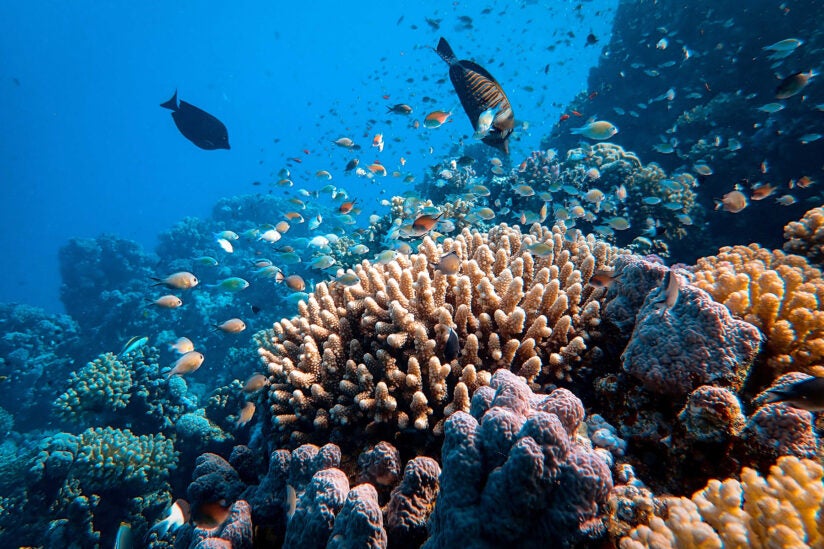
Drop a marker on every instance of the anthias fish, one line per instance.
(197, 125)
(479, 91)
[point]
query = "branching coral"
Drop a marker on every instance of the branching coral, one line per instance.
(373, 356)
(100, 388)
(780, 293)
(782, 510)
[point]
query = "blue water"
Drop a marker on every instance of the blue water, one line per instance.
(87, 150)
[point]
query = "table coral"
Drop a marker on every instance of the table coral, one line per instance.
(543, 488)
(782, 510)
(806, 236)
(369, 357)
(781, 294)
(696, 342)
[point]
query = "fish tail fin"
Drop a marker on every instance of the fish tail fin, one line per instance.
(445, 51)
(171, 104)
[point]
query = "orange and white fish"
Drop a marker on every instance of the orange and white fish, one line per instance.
(182, 346)
(436, 119)
(168, 302)
(377, 142)
(255, 383)
(245, 414)
(186, 364)
(231, 326)
(177, 281)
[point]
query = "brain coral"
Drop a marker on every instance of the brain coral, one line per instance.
(782, 510)
(373, 356)
(779, 293)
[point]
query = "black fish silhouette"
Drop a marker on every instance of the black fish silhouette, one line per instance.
(197, 125)
(479, 91)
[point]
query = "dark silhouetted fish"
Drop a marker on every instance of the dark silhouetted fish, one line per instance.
(198, 126)
(479, 92)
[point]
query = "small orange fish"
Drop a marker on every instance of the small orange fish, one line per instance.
(293, 215)
(436, 119)
(426, 223)
(168, 302)
(449, 264)
(255, 383)
(576, 113)
(293, 282)
(346, 207)
(403, 161)
(232, 326)
(180, 281)
(763, 191)
(245, 414)
(733, 202)
(803, 182)
(377, 168)
(377, 142)
(564, 116)
(186, 364)
(603, 278)
(182, 346)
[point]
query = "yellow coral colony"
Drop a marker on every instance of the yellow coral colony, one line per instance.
(781, 511)
(374, 351)
(779, 293)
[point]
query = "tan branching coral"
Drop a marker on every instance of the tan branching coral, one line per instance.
(373, 356)
(782, 510)
(782, 294)
(806, 237)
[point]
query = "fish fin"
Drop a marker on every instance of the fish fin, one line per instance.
(171, 104)
(774, 395)
(445, 51)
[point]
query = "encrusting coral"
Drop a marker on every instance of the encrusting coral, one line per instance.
(779, 293)
(377, 356)
(782, 510)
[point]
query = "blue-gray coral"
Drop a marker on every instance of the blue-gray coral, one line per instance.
(360, 522)
(674, 350)
(311, 525)
(412, 502)
(543, 488)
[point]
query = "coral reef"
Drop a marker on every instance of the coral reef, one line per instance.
(695, 342)
(100, 388)
(36, 348)
(373, 357)
(782, 510)
(805, 237)
(779, 293)
(522, 451)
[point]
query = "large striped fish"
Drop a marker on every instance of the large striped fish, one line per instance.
(479, 92)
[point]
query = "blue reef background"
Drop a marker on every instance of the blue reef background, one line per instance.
(86, 149)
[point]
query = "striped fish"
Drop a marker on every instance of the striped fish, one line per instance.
(479, 91)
